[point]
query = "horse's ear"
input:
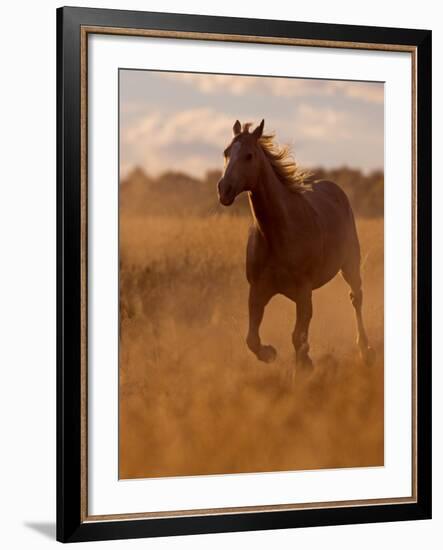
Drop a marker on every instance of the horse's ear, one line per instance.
(236, 128)
(259, 130)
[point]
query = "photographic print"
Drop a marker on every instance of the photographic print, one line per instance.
(251, 274)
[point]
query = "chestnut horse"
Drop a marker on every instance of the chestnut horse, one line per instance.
(302, 235)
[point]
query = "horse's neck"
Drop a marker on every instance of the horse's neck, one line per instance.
(275, 208)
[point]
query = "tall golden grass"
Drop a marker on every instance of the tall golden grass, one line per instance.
(194, 400)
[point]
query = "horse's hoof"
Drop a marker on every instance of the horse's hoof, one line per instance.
(368, 356)
(305, 363)
(267, 354)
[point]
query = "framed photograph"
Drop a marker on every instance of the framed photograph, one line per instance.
(244, 274)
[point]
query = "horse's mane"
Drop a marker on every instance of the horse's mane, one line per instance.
(283, 163)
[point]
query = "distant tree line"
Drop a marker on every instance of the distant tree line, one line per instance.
(177, 193)
(366, 192)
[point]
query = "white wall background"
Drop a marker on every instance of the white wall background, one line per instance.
(27, 272)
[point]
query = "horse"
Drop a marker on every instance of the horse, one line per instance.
(303, 233)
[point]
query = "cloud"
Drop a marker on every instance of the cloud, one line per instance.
(241, 85)
(324, 124)
(187, 126)
(368, 92)
(190, 140)
(193, 140)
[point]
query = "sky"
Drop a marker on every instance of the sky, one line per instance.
(183, 121)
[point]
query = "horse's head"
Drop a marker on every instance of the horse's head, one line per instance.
(241, 163)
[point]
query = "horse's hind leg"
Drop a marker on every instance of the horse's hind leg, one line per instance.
(351, 274)
(259, 296)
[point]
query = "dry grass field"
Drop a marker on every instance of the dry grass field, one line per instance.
(194, 400)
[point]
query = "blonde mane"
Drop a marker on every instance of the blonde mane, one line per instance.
(284, 165)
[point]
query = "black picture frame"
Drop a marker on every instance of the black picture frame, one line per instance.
(71, 525)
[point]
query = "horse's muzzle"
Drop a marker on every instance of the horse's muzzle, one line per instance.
(226, 192)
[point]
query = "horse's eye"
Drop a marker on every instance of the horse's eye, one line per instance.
(248, 156)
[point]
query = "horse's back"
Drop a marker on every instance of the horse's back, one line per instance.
(328, 199)
(332, 206)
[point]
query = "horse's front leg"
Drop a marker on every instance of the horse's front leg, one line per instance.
(259, 296)
(301, 330)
